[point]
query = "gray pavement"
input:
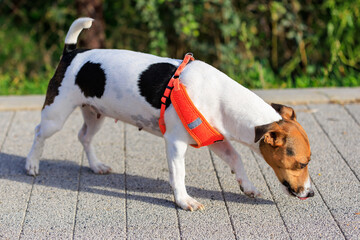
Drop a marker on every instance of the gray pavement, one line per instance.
(68, 201)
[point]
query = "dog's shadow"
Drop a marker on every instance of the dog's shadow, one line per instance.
(65, 175)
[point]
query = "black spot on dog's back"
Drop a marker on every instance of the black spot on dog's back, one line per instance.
(91, 79)
(153, 82)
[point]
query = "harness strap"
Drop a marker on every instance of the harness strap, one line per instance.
(188, 57)
(193, 121)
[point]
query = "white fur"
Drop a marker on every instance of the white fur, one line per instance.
(307, 188)
(302, 194)
(76, 27)
(232, 109)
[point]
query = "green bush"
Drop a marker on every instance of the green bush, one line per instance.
(260, 44)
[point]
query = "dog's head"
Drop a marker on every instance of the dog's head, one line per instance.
(285, 147)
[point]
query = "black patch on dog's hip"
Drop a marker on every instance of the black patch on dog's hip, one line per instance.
(153, 82)
(56, 80)
(91, 79)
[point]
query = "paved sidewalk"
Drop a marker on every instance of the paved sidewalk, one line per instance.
(68, 201)
(284, 96)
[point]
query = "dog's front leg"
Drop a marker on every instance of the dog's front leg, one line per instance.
(227, 153)
(175, 151)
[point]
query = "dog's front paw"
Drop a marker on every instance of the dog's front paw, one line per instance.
(32, 167)
(100, 168)
(249, 189)
(188, 203)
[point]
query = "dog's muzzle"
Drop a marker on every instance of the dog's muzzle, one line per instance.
(302, 196)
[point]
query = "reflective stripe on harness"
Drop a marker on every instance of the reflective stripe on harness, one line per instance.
(194, 122)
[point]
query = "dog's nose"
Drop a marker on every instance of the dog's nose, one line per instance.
(310, 193)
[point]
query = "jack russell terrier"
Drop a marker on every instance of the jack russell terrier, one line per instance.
(128, 86)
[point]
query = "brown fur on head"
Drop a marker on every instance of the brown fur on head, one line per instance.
(285, 147)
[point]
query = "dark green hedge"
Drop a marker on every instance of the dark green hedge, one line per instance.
(261, 44)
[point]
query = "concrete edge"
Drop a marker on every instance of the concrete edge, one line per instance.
(343, 95)
(284, 96)
(20, 103)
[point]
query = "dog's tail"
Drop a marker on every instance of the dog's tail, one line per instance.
(76, 27)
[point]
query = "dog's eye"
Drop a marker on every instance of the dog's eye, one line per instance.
(303, 165)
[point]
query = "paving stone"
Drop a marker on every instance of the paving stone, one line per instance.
(151, 212)
(18, 143)
(248, 214)
(354, 111)
(202, 184)
(15, 186)
(5, 119)
(52, 205)
(101, 201)
(14, 195)
(342, 130)
(337, 184)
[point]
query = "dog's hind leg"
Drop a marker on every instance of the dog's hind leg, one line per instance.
(53, 118)
(92, 123)
(227, 153)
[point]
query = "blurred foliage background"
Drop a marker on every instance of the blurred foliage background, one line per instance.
(260, 44)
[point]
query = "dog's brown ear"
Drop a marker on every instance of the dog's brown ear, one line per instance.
(285, 111)
(260, 131)
(272, 133)
(275, 138)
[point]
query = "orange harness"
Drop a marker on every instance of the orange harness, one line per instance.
(194, 122)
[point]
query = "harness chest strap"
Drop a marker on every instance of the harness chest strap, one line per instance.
(194, 122)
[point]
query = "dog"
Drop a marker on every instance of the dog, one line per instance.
(127, 86)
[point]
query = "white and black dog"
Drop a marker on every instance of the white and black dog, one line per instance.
(128, 86)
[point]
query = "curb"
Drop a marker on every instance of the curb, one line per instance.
(18, 103)
(342, 95)
(284, 96)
